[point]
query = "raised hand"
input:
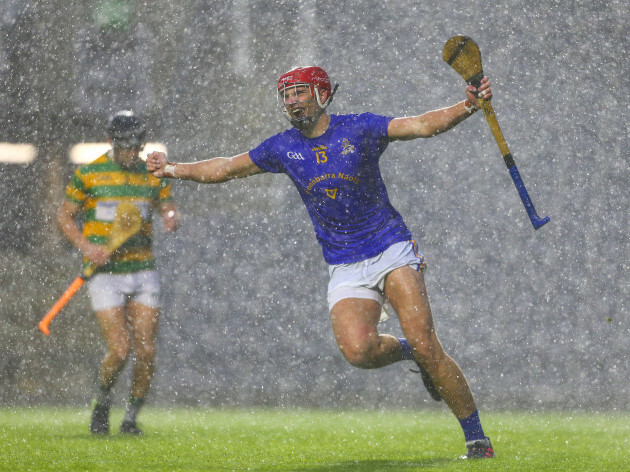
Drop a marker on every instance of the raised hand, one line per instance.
(156, 163)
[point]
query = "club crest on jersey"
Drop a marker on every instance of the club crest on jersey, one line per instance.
(347, 148)
(331, 192)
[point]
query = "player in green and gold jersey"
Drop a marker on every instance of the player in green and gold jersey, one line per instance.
(125, 290)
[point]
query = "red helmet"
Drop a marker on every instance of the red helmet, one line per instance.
(305, 75)
(316, 79)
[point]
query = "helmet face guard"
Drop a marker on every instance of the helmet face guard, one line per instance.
(291, 86)
(128, 142)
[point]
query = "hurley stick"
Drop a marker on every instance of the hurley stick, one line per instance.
(462, 53)
(128, 222)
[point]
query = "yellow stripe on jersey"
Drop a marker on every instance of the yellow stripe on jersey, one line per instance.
(99, 187)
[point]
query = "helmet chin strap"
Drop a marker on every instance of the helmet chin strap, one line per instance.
(129, 165)
(307, 121)
(328, 100)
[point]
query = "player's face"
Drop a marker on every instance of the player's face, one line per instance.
(127, 156)
(298, 101)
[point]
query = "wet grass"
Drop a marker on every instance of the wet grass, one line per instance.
(311, 441)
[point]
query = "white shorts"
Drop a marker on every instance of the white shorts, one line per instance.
(114, 290)
(366, 279)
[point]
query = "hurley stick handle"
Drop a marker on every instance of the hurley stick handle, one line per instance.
(58, 306)
(491, 118)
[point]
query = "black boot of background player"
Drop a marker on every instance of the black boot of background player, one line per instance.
(130, 427)
(100, 419)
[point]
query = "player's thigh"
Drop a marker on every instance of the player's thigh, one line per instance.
(406, 291)
(354, 320)
(144, 321)
(113, 323)
(146, 288)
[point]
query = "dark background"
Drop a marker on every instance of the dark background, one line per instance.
(536, 319)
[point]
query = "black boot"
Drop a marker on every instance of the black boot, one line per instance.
(100, 419)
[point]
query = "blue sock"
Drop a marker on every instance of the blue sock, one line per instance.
(472, 427)
(407, 353)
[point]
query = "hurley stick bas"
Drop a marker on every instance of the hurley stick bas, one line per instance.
(462, 54)
(128, 222)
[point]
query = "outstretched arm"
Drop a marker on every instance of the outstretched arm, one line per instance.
(436, 122)
(211, 171)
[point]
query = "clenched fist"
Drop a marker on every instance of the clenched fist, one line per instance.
(158, 165)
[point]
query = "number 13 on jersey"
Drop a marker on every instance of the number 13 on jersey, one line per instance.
(320, 154)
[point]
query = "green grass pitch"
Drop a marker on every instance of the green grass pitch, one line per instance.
(310, 441)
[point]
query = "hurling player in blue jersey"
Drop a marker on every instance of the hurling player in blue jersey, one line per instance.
(333, 160)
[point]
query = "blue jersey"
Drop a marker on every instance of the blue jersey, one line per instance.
(338, 177)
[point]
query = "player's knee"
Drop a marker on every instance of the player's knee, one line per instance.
(145, 352)
(119, 354)
(359, 355)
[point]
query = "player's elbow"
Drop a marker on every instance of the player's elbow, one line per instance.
(411, 128)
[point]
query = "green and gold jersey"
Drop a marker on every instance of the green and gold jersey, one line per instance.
(98, 187)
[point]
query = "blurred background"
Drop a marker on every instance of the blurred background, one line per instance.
(536, 319)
